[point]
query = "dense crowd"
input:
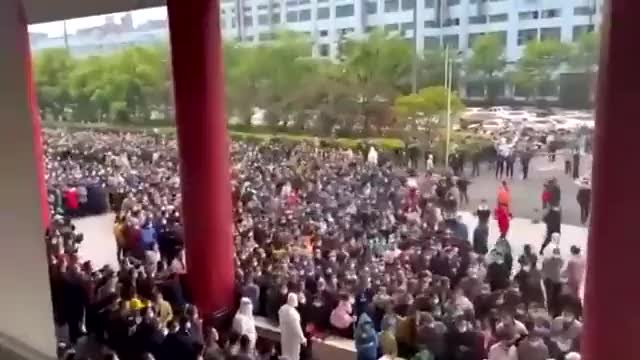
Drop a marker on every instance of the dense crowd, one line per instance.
(327, 241)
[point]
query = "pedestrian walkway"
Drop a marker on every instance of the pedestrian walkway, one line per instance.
(99, 245)
(524, 231)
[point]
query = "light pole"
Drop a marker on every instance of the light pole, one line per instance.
(414, 62)
(447, 86)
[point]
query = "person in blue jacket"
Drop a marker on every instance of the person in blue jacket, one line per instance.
(366, 339)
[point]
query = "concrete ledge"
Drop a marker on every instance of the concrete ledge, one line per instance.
(13, 349)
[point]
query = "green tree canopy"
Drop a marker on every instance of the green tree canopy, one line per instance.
(539, 64)
(486, 62)
(428, 104)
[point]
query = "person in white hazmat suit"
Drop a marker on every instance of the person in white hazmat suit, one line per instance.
(372, 158)
(291, 335)
(243, 322)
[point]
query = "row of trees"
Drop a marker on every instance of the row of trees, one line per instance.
(365, 91)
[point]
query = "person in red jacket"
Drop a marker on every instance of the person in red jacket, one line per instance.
(71, 203)
(503, 217)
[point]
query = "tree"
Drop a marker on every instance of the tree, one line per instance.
(431, 68)
(584, 57)
(427, 109)
(585, 52)
(539, 64)
(486, 61)
(377, 68)
(52, 69)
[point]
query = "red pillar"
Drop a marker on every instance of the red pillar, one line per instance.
(196, 53)
(38, 153)
(612, 319)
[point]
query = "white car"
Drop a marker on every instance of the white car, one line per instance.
(566, 124)
(493, 125)
(470, 111)
(500, 109)
(540, 124)
(517, 117)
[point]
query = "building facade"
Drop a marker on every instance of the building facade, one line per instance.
(437, 23)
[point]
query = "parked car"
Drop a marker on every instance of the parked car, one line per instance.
(493, 125)
(499, 109)
(475, 119)
(540, 125)
(517, 117)
(565, 123)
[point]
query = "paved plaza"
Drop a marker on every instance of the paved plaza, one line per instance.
(99, 245)
(526, 195)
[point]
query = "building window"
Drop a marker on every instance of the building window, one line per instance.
(372, 7)
(406, 26)
(584, 11)
(550, 13)
(502, 35)
(429, 4)
(580, 30)
(477, 1)
(408, 4)
(265, 36)
(263, 7)
(304, 2)
(248, 38)
(528, 15)
(430, 24)
(292, 16)
(453, 2)
(451, 22)
(550, 33)
(472, 39)
(323, 1)
(305, 15)
(263, 19)
(478, 19)
(247, 8)
(233, 22)
(391, 27)
(248, 21)
(292, 2)
(371, 29)
(451, 41)
(431, 42)
(275, 18)
(346, 31)
(275, 6)
(344, 10)
(323, 13)
(524, 36)
(324, 33)
(324, 50)
(390, 5)
(498, 18)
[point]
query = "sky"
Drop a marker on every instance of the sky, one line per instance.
(56, 28)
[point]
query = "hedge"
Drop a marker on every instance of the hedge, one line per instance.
(465, 141)
(384, 143)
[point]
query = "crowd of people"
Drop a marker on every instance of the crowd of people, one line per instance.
(327, 241)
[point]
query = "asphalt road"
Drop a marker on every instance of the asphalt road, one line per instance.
(526, 195)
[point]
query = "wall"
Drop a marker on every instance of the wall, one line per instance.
(25, 297)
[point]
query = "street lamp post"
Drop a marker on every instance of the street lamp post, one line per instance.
(447, 85)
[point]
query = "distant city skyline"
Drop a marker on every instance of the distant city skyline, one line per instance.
(56, 28)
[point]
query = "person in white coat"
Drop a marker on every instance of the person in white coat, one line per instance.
(291, 335)
(243, 322)
(372, 158)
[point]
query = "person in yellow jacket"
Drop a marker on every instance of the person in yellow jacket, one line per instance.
(119, 228)
(163, 309)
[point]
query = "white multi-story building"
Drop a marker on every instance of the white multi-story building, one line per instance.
(452, 23)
